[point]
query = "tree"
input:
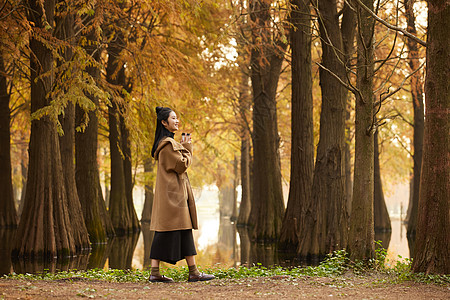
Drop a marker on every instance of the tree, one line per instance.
(361, 236)
(326, 228)
(418, 109)
(65, 23)
(302, 144)
(8, 215)
(45, 229)
(149, 166)
(382, 222)
(267, 54)
(87, 175)
(244, 109)
(432, 248)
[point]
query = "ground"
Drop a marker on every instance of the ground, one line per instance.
(284, 287)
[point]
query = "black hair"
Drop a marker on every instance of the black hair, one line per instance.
(162, 114)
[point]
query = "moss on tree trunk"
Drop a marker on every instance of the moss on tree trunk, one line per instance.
(432, 248)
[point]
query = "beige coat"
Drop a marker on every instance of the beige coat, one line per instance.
(173, 204)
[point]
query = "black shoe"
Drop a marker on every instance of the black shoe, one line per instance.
(160, 278)
(200, 277)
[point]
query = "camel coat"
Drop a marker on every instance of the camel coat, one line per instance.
(173, 204)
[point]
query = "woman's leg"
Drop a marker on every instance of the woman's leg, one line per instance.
(155, 276)
(194, 274)
(155, 263)
(190, 260)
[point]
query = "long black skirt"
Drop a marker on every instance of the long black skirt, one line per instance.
(172, 246)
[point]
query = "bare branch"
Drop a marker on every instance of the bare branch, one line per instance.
(347, 86)
(403, 31)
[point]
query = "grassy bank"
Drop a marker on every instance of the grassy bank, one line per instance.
(333, 266)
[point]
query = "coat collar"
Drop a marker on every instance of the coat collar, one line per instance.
(168, 140)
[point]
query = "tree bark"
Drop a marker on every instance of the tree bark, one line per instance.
(87, 175)
(128, 174)
(302, 144)
(267, 207)
(382, 222)
(361, 238)
(66, 33)
(45, 229)
(418, 108)
(348, 29)
(118, 206)
(432, 249)
(244, 109)
(149, 195)
(326, 228)
(8, 214)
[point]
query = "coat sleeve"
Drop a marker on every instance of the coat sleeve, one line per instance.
(176, 160)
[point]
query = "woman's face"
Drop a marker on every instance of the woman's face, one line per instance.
(172, 122)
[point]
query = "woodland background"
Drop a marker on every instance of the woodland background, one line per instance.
(326, 96)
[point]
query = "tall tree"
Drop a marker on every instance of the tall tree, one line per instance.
(8, 215)
(87, 175)
(45, 229)
(65, 31)
(266, 59)
(432, 248)
(128, 172)
(348, 29)
(121, 207)
(361, 236)
(326, 225)
(244, 109)
(149, 166)
(416, 84)
(381, 220)
(302, 144)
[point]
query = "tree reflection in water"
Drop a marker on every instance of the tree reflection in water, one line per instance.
(229, 247)
(7, 239)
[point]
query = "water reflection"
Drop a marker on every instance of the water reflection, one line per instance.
(7, 239)
(217, 243)
(99, 255)
(122, 250)
(148, 239)
(384, 237)
(79, 262)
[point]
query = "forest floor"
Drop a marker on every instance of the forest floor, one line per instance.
(347, 286)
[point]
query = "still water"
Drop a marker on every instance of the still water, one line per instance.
(218, 242)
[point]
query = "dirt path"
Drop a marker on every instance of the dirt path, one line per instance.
(372, 287)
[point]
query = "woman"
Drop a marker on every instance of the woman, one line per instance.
(173, 213)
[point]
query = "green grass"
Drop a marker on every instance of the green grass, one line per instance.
(334, 265)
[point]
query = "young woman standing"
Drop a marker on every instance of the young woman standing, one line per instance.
(173, 214)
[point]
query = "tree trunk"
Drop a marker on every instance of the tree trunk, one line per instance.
(128, 175)
(382, 222)
(87, 175)
(8, 215)
(302, 144)
(418, 108)
(244, 108)
(118, 206)
(326, 228)
(348, 29)
(67, 141)
(244, 111)
(432, 249)
(267, 207)
(361, 238)
(148, 203)
(45, 229)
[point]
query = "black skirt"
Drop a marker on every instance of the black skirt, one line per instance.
(172, 246)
